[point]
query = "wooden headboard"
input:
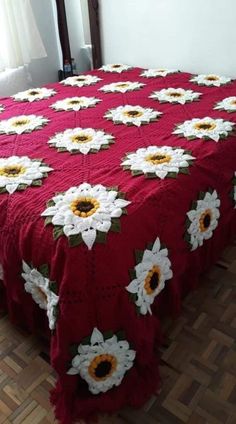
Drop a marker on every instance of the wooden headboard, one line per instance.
(93, 7)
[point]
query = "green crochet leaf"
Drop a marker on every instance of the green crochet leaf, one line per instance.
(86, 341)
(132, 274)
(187, 237)
(184, 171)
(37, 183)
(56, 312)
(163, 246)
(172, 174)
(150, 175)
(201, 195)
(194, 204)
(188, 222)
(115, 225)
(138, 256)
(120, 195)
(57, 232)
(137, 173)
(50, 203)
(75, 240)
(108, 334)
(22, 186)
(48, 220)
(113, 188)
(44, 270)
(133, 297)
(74, 350)
(120, 335)
(101, 237)
(53, 287)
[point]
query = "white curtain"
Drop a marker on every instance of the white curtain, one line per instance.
(20, 41)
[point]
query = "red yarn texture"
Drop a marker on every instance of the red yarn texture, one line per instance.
(92, 282)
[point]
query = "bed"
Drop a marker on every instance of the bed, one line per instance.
(117, 191)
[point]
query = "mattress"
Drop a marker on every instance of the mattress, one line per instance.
(117, 190)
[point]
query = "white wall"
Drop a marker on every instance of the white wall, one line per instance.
(192, 35)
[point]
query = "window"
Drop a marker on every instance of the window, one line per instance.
(19, 35)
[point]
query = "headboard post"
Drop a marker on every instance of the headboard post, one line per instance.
(63, 30)
(93, 7)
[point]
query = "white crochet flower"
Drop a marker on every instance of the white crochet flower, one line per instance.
(34, 94)
(82, 140)
(158, 161)
(19, 172)
(121, 87)
(22, 124)
(202, 219)
(149, 277)
(81, 80)
(210, 80)
(228, 104)
(132, 115)
(75, 103)
(206, 128)
(175, 95)
(84, 212)
(116, 67)
(102, 362)
(38, 285)
(158, 72)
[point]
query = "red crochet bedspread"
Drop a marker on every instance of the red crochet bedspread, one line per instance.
(101, 263)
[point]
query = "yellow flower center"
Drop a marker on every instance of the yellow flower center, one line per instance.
(81, 138)
(233, 102)
(161, 70)
(12, 171)
(175, 94)
(157, 159)
(205, 220)
(102, 367)
(212, 78)
(33, 93)
(20, 122)
(122, 85)
(116, 66)
(206, 126)
(81, 79)
(75, 102)
(84, 206)
(133, 113)
(152, 279)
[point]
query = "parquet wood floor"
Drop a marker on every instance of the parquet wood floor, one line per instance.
(198, 363)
